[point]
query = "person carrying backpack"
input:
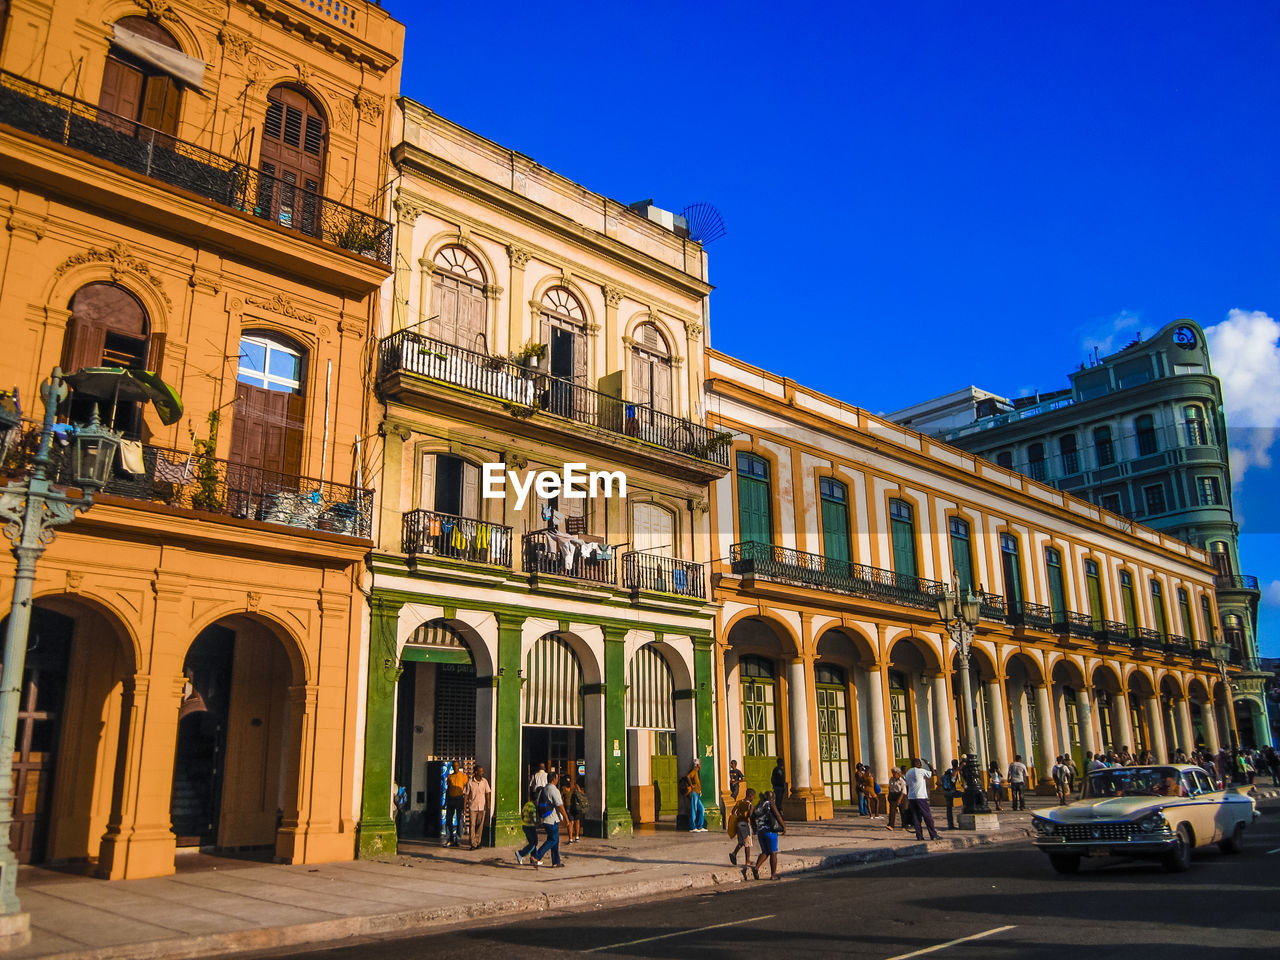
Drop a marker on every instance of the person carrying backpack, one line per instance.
(739, 827)
(950, 790)
(529, 823)
(768, 823)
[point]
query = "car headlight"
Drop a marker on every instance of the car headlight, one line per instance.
(1153, 823)
(1046, 828)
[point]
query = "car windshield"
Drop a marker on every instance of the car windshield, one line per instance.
(1134, 782)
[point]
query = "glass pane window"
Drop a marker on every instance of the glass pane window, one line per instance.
(1210, 492)
(1035, 461)
(1146, 432)
(1070, 455)
(1154, 497)
(1103, 446)
(269, 364)
(1195, 426)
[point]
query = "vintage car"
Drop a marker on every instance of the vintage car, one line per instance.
(1152, 812)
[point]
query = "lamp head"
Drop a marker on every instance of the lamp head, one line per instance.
(93, 452)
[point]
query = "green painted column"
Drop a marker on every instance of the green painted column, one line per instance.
(376, 835)
(704, 686)
(508, 782)
(616, 818)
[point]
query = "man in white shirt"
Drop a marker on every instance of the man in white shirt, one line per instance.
(918, 778)
(1017, 780)
(551, 812)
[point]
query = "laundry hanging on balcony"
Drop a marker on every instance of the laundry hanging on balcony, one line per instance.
(131, 457)
(183, 68)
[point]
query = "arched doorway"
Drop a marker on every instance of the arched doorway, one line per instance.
(553, 709)
(909, 704)
(652, 753)
(835, 695)
(1032, 733)
(1106, 699)
(1068, 687)
(236, 740)
(758, 683)
(435, 722)
(71, 701)
(1140, 695)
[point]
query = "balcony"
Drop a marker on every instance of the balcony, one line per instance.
(991, 607)
(1072, 624)
(1148, 639)
(1227, 581)
(208, 485)
(1177, 644)
(52, 116)
(765, 560)
(428, 533)
(562, 555)
(1111, 631)
(525, 392)
(659, 574)
(1024, 613)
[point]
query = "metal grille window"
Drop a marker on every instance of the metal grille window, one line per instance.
(1035, 461)
(900, 713)
(1070, 455)
(1004, 459)
(455, 720)
(1104, 446)
(1154, 497)
(1145, 429)
(759, 690)
(553, 693)
(833, 732)
(650, 691)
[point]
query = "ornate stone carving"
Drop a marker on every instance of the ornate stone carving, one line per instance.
(121, 260)
(235, 45)
(74, 579)
(252, 600)
(407, 211)
(593, 329)
(304, 74)
(202, 279)
(25, 224)
(628, 342)
(281, 305)
(692, 329)
(612, 296)
(389, 428)
(369, 105)
(519, 256)
(345, 112)
(157, 10)
(492, 290)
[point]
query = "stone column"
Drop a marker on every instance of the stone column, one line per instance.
(376, 833)
(999, 712)
(296, 823)
(1085, 717)
(704, 740)
(1048, 727)
(512, 334)
(1186, 735)
(876, 723)
(797, 703)
(1209, 713)
(506, 776)
(407, 214)
(943, 741)
(616, 819)
(1155, 723)
(1125, 726)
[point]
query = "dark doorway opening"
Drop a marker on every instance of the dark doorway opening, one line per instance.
(202, 732)
(560, 748)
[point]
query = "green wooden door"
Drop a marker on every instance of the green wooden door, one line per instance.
(754, 519)
(902, 531)
(663, 772)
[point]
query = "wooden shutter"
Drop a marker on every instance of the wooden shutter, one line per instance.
(579, 358)
(85, 341)
(835, 530)
(1012, 580)
(427, 482)
(661, 376)
(155, 354)
(904, 548)
(295, 410)
(160, 104)
(471, 491)
(445, 290)
(640, 372)
(471, 317)
(1057, 593)
(1096, 609)
(753, 510)
(962, 562)
(121, 93)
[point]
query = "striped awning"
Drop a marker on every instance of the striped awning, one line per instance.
(553, 686)
(650, 690)
(436, 642)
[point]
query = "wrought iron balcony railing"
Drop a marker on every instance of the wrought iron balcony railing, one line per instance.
(1227, 581)
(209, 485)
(1027, 614)
(1070, 623)
(53, 116)
(564, 556)
(1111, 631)
(431, 533)
(1149, 639)
(1177, 644)
(651, 571)
(752, 558)
(502, 379)
(992, 607)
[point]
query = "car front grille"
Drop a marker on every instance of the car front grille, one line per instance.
(1084, 832)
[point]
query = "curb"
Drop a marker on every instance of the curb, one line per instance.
(241, 941)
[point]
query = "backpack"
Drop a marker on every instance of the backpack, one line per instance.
(542, 804)
(529, 814)
(763, 818)
(949, 782)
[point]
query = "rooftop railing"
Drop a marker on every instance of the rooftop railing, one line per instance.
(431, 533)
(58, 118)
(660, 574)
(1226, 581)
(210, 485)
(502, 379)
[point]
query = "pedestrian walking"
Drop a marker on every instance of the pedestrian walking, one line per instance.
(1061, 779)
(739, 826)
(735, 779)
(896, 791)
(768, 823)
(455, 786)
(950, 790)
(871, 790)
(997, 784)
(697, 811)
(478, 797)
(577, 804)
(529, 823)
(863, 809)
(551, 813)
(918, 778)
(1017, 779)
(539, 779)
(778, 780)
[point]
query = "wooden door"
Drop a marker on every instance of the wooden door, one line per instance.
(294, 144)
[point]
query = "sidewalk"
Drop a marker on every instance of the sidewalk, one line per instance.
(214, 905)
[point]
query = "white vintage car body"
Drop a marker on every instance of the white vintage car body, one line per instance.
(1158, 812)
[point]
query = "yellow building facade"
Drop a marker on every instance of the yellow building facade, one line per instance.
(195, 188)
(837, 530)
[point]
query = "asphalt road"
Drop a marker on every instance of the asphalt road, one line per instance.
(1000, 902)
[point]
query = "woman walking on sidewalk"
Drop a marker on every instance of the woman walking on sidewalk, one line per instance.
(897, 798)
(576, 803)
(697, 812)
(740, 828)
(768, 823)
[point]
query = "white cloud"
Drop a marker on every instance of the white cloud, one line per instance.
(1108, 336)
(1271, 594)
(1245, 351)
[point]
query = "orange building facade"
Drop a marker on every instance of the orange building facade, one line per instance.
(197, 189)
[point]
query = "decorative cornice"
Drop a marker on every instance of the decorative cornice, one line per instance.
(24, 224)
(628, 342)
(157, 10)
(612, 296)
(279, 304)
(369, 106)
(235, 45)
(121, 260)
(519, 256)
(492, 290)
(592, 329)
(202, 279)
(295, 18)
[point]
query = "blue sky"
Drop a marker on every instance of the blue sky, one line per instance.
(946, 193)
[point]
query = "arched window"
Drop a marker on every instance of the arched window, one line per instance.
(1004, 459)
(1145, 429)
(1196, 434)
(902, 530)
(1093, 585)
(564, 331)
(653, 529)
(961, 553)
(1070, 455)
(458, 299)
(1057, 584)
(136, 89)
(835, 519)
(109, 328)
(295, 142)
(1104, 447)
(1035, 461)
(759, 719)
(755, 517)
(651, 378)
(267, 419)
(1012, 567)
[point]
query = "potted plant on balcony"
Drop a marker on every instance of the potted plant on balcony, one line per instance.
(358, 236)
(207, 495)
(530, 356)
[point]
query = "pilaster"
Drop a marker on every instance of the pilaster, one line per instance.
(377, 831)
(615, 818)
(704, 737)
(506, 773)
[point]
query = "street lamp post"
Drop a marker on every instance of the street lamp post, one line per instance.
(1220, 652)
(960, 616)
(29, 510)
